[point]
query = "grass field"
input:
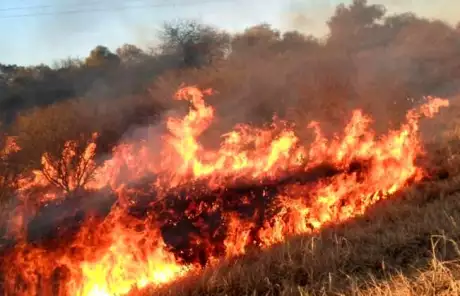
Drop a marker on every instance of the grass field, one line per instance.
(407, 245)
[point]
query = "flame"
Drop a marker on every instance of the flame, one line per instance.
(120, 257)
(131, 259)
(258, 188)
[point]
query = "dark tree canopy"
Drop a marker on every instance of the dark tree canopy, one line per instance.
(101, 56)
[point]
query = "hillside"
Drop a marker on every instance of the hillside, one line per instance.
(407, 245)
(254, 163)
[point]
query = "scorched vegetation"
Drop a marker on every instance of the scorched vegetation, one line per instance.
(258, 163)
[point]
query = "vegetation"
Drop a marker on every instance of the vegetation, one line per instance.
(408, 245)
(383, 64)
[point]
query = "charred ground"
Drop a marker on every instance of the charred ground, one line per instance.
(179, 211)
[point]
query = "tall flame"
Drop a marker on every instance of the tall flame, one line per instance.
(113, 254)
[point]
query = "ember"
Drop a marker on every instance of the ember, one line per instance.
(145, 218)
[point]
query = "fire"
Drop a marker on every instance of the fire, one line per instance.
(144, 218)
(131, 259)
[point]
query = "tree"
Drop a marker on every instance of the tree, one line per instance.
(47, 129)
(68, 63)
(129, 53)
(73, 168)
(294, 41)
(194, 44)
(101, 56)
(355, 26)
(255, 38)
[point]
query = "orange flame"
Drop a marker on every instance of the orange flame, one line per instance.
(121, 253)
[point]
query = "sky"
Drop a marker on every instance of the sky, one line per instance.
(44, 31)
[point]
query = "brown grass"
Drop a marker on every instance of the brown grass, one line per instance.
(404, 246)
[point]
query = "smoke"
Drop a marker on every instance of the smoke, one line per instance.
(384, 71)
(310, 16)
(446, 10)
(322, 80)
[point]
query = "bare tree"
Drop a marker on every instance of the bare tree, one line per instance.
(73, 169)
(194, 44)
(130, 53)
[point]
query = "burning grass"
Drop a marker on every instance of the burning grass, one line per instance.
(388, 251)
(146, 218)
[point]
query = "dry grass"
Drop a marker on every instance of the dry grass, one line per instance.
(404, 246)
(440, 278)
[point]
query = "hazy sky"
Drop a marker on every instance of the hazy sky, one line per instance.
(35, 31)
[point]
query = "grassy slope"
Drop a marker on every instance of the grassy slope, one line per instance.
(403, 246)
